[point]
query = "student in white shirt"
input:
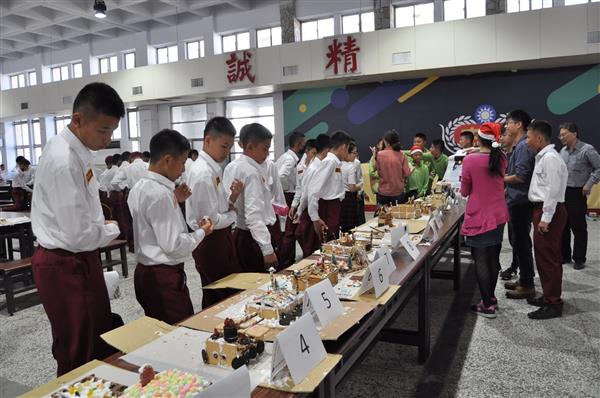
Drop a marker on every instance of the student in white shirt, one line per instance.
(136, 170)
(287, 167)
(3, 174)
(352, 185)
(118, 198)
(307, 238)
(21, 190)
(256, 217)
(104, 180)
(547, 193)
(215, 257)
(67, 221)
(119, 182)
(162, 240)
(361, 193)
(146, 156)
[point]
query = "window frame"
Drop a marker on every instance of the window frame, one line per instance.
(32, 148)
(201, 51)
(465, 10)
(360, 22)
(237, 46)
(172, 123)
(125, 60)
(167, 48)
(317, 21)
(109, 63)
(270, 29)
(413, 6)
(233, 152)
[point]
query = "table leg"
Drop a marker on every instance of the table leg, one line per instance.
(108, 255)
(457, 259)
(9, 293)
(424, 315)
(124, 261)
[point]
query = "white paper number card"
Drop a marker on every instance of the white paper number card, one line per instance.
(235, 385)
(376, 276)
(321, 299)
(398, 233)
(410, 247)
(299, 347)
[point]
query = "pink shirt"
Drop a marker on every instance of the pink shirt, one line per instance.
(393, 169)
(486, 206)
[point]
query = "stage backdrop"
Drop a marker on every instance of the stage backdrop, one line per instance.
(443, 107)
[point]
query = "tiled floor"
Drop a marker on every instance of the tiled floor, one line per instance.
(509, 356)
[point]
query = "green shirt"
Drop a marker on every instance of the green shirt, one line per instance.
(373, 175)
(419, 179)
(437, 166)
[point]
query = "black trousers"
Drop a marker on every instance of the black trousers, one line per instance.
(520, 217)
(576, 204)
(511, 238)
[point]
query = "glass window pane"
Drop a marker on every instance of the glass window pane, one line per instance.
(454, 9)
(162, 55)
(276, 36)
(512, 6)
(103, 65)
(22, 80)
(116, 135)
(548, 3)
(25, 133)
(367, 21)
(249, 107)
(132, 119)
(309, 30)
(350, 24)
(524, 5)
(55, 74)
(38, 154)
(228, 43)
(404, 16)
(32, 78)
(190, 130)
(192, 50)
(18, 135)
(475, 8)
(77, 70)
(243, 41)
(188, 113)
(173, 55)
(263, 37)
(37, 133)
(113, 64)
(574, 2)
(202, 48)
(135, 146)
(129, 60)
(14, 82)
(423, 13)
(64, 72)
(325, 27)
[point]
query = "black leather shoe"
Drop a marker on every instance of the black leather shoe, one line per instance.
(537, 301)
(545, 312)
(578, 265)
(508, 274)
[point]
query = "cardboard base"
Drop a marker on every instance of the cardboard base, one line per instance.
(241, 281)
(311, 382)
(136, 334)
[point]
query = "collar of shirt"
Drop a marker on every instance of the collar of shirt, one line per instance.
(84, 153)
(124, 164)
(137, 161)
(578, 145)
(293, 154)
(161, 180)
(261, 168)
(544, 151)
(215, 167)
(335, 158)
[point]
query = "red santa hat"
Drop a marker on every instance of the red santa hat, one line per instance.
(416, 149)
(491, 132)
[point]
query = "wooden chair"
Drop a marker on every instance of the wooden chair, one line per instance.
(108, 261)
(11, 272)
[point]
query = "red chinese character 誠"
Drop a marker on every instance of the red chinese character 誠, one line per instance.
(348, 49)
(239, 69)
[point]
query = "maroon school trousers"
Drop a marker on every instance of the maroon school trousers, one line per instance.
(248, 252)
(215, 258)
(330, 212)
(73, 292)
(287, 247)
(349, 211)
(548, 256)
(162, 292)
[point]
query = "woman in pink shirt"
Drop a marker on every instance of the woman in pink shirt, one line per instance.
(393, 169)
(482, 181)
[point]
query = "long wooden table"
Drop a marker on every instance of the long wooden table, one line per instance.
(22, 232)
(413, 276)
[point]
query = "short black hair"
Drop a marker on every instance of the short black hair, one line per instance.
(22, 161)
(339, 138)
(322, 142)
(19, 158)
(146, 155)
(352, 146)
(254, 133)
(116, 158)
(310, 144)
(393, 139)
(521, 116)
(125, 156)
(572, 127)
(219, 125)
(99, 98)
(192, 152)
(421, 136)
(294, 138)
(541, 127)
(439, 144)
(468, 134)
(168, 142)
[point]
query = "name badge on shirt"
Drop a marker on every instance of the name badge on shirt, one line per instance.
(218, 180)
(338, 170)
(264, 181)
(300, 171)
(89, 174)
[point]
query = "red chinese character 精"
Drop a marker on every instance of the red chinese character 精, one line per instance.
(239, 69)
(348, 49)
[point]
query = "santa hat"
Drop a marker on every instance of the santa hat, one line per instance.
(416, 149)
(491, 132)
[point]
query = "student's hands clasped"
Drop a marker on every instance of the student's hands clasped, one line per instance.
(236, 189)
(182, 192)
(206, 225)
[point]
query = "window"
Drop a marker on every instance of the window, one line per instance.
(418, 14)
(318, 29)
(574, 2)
(268, 37)
(236, 42)
(460, 9)
(253, 110)
(17, 81)
(77, 70)
(194, 49)
(364, 22)
(133, 117)
(526, 5)
(130, 60)
(60, 73)
(32, 78)
(60, 122)
(190, 120)
(28, 138)
(165, 55)
(108, 64)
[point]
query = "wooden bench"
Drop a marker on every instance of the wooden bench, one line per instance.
(15, 271)
(108, 262)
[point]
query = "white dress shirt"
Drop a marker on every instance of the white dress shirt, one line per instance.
(549, 181)
(359, 175)
(325, 184)
(254, 205)
(22, 179)
(106, 178)
(65, 209)
(349, 174)
(278, 198)
(119, 181)
(286, 165)
(311, 169)
(159, 229)
(205, 179)
(135, 172)
(300, 171)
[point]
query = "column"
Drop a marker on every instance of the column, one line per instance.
(290, 26)
(493, 7)
(383, 14)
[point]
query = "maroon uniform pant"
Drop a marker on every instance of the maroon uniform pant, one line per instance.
(547, 251)
(287, 247)
(249, 255)
(73, 292)
(330, 213)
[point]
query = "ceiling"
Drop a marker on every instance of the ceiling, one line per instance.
(29, 26)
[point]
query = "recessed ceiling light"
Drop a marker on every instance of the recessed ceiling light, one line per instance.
(99, 9)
